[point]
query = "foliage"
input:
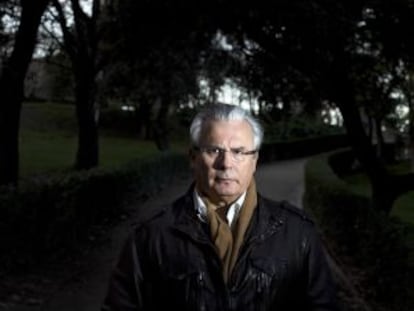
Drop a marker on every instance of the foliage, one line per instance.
(299, 127)
(13, 71)
(359, 236)
(165, 62)
(299, 148)
(49, 215)
(293, 53)
(48, 117)
(48, 140)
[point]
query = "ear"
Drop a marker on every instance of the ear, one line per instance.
(256, 159)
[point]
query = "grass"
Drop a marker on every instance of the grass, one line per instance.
(44, 152)
(48, 141)
(402, 208)
(359, 183)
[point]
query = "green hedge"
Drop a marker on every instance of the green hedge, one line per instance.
(359, 236)
(282, 150)
(50, 214)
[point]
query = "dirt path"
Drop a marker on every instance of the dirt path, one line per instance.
(86, 289)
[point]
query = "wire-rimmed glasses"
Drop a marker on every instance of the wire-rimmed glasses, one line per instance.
(213, 152)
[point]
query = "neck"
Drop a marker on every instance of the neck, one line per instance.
(216, 200)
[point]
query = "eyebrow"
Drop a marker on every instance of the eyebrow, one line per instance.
(221, 147)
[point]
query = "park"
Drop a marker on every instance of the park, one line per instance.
(97, 96)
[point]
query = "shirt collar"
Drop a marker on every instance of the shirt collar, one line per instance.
(232, 213)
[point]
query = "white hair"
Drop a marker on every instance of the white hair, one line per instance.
(225, 112)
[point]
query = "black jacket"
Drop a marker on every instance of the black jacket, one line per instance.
(170, 262)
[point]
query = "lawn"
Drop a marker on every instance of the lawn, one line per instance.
(48, 141)
(402, 208)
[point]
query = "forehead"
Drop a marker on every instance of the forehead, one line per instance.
(226, 132)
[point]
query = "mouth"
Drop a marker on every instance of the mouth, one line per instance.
(224, 180)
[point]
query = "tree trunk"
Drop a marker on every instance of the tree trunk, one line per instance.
(380, 143)
(81, 45)
(410, 129)
(383, 193)
(87, 155)
(143, 120)
(385, 187)
(12, 88)
(161, 126)
(342, 93)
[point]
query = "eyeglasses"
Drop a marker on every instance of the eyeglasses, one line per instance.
(237, 154)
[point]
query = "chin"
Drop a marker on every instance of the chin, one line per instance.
(227, 194)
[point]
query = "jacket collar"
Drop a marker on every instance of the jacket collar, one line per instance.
(267, 219)
(186, 219)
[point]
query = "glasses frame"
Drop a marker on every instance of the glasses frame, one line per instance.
(237, 154)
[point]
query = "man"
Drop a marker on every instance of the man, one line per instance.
(222, 246)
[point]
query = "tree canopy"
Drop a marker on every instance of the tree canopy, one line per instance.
(353, 55)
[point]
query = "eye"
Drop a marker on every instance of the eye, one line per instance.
(237, 151)
(214, 150)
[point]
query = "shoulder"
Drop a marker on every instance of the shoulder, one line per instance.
(296, 222)
(163, 216)
(286, 210)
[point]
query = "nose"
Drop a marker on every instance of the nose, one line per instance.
(225, 160)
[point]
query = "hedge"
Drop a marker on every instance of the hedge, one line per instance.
(275, 151)
(50, 213)
(360, 237)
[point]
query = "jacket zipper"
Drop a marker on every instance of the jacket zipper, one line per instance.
(200, 280)
(260, 288)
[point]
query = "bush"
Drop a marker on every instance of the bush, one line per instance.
(299, 127)
(117, 120)
(272, 151)
(54, 213)
(363, 238)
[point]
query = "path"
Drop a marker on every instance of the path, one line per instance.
(280, 180)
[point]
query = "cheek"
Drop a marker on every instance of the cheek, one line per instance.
(248, 172)
(202, 170)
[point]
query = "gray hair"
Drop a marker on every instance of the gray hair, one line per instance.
(225, 112)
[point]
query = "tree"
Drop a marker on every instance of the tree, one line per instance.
(160, 47)
(80, 41)
(12, 77)
(393, 23)
(322, 44)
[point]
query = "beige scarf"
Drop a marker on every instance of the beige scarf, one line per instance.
(226, 241)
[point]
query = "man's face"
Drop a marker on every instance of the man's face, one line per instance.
(223, 177)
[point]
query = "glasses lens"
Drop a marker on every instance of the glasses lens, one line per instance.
(235, 154)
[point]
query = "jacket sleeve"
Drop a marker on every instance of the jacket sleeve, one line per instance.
(320, 287)
(124, 292)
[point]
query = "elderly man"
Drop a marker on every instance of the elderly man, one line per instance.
(222, 246)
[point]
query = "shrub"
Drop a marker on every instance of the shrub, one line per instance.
(363, 238)
(53, 213)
